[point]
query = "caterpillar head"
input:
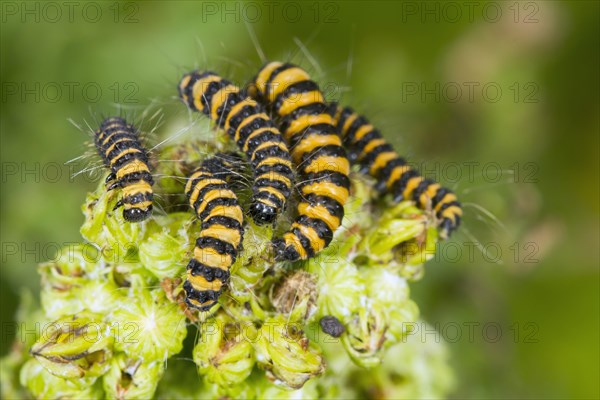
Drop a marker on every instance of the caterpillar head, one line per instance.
(283, 252)
(202, 300)
(137, 214)
(262, 214)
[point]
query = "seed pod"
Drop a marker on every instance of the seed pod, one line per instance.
(150, 326)
(129, 378)
(107, 229)
(44, 385)
(365, 337)
(222, 354)
(75, 347)
(164, 251)
(286, 354)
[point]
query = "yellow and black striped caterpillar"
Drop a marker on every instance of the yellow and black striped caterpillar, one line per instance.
(368, 148)
(221, 216)
(121, 150)
(255, 134)
(316, 150)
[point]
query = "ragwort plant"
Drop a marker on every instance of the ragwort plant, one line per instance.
(111, 321)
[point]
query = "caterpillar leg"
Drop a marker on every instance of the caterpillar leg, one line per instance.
(110, 177)
(114, 185)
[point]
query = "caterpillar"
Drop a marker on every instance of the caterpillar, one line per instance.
(316, 150)
(368, 148)
(119, 147)
(221, 216)
(253, 131)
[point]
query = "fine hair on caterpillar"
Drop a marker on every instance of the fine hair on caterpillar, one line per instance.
(147, 121)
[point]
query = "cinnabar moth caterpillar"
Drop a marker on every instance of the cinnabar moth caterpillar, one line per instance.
(367, 147)
(217, 247)
(255, 134)
(316, 150)
(121, 150)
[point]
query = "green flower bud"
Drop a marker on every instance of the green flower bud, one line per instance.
(397, 225)
(384, 286)
(100, 296)
(365, 336)
(223, 354)
(413, 254)
(106, 228)
(250, 267)
(44, 385)
(400, 320)
(63, 279)
(357, 213)
(125, 273)
(130, 378)
(149, 326)
(249, 311)
(384, 317)
(415, 368)
(57, 304)
(286, 354)
(75, 347)
(73, 265)
(166, 252)
(389, 293)
(340, 286)
(179, 160)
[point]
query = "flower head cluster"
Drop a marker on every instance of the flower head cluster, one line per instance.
(113, 324)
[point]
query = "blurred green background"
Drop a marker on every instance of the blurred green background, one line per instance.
(498, 100)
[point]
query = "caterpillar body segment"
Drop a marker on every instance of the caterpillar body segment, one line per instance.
(253, 131)
(219, 242)
(317, 152)
(367, 147)
(121, 150)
